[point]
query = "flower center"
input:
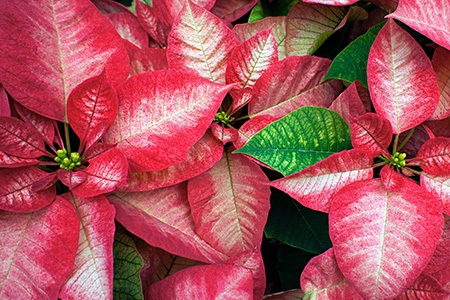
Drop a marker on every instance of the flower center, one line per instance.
(398, 160)
(222, 118)
(68, 162)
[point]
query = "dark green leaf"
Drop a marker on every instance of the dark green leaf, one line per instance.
(296, 225)
(298, 140)
(127, 267)
(276, 8)
(351, 64)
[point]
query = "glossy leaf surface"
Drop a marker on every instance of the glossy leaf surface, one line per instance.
(37, 251)
(378, 234)
(200, 42)
(67, 42)
(92, 274)
(162, 114)
(230, 199)
(299, 140)
(91, 108)
(419, 15)
(163, 219)
(314, 186)
(401, 79)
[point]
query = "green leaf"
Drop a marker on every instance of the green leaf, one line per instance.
(299, 140)
(296, 225)
(264, 9)
(127, 267)
(351, 64)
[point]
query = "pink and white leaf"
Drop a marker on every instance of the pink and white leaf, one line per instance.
(45, 126)
(384, 239)
(71, 179)
(230, 199)
(205, 282)
(371, 133)
(11, 161)
(92, 106)
(245, 31)
(434, 156)
(322, 279)
(439, 185)
(200, 42)
(250, 59)
(251, 127)
(147, 60)
(441, 61)
(20, 139)
(231, 10)
(175, 7)
(201, 157)
(401, 79)
(155, 20)
(37, 251)
(292, 83)
(17, 192)
(314, 186)
(332, 2)
(5, 110)
(309, 25)
(162, 114)
(223, 134)
(348, 103)
(105, 173)
(79, 43)
(424, 288)
(92, 274)
(129, 28)
(441, 257)
(162, 218)
(421, 16)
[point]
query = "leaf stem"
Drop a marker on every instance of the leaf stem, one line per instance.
(67, 137)
(410, 133)
(395, 143)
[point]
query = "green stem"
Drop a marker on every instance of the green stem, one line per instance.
(242, 118)
(67, 136)
(395, 143)
(410, 133)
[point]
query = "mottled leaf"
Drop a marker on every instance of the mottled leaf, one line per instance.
(441, 60)
(231, 10)
(371, 133)
(434, 156)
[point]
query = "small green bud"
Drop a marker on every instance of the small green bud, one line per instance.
(402, 156)
(58, 159)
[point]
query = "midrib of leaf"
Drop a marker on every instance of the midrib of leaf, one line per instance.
(311, 229)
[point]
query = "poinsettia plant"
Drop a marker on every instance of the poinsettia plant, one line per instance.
(142, 147)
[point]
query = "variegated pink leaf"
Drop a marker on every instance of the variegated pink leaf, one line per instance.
(16, 190)
(441, 257)
(163, 219)
(293, 294)
(11, 161)
(20, 139)
(292, 83)
(348, 103)
(250, 59)
(79, 43)
(384, 239)
(251, 127)
(231, 10)
(309, 25)
(232, 199)
(424, 288)
(434, 156)
(441, 64)
(147, 60)
(392, 180)
(322, 279)
(162, 114)
(92, 274)
(200, 42)
(45, 126)
(92, 106)
(205, 282)
(439, 185)
(37, 251)
(314, 186)
(105, 173)
(223, 134)
(245, 31)
(129, 28)
(70, 178)
(332, 2)
(371, 133)
(401, 79)
(201, 157)
(155, 20)
(421, 16)
(4, 103)
(176, 6)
